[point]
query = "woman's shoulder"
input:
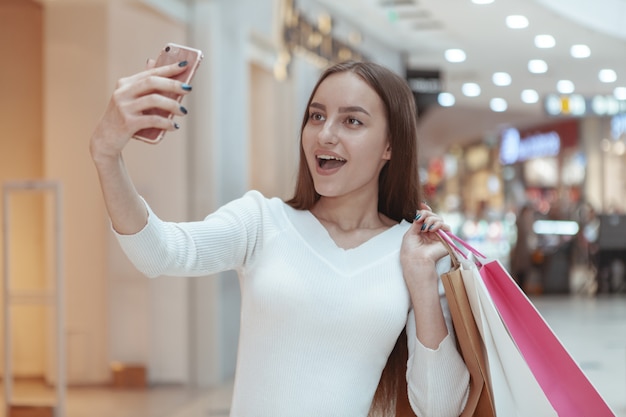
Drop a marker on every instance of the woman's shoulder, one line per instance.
(256, 197)
(255, 205)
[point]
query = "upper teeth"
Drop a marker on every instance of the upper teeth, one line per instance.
(330, 157)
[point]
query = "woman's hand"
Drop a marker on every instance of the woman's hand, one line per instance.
(421, 249)
(133, 95)
(123, 117)
(421, 245)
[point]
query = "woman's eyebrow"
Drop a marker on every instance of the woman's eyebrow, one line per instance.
(352, 109)
(347, 109)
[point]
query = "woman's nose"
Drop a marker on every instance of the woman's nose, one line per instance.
(328, 133)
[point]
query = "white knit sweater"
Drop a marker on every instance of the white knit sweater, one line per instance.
(317, 321)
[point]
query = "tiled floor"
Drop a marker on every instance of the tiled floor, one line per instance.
(592, 329)
(106, 402)
(594, 332)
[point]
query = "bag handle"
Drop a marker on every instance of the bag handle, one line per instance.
(465, 245)
(452, 250)
(452, 241)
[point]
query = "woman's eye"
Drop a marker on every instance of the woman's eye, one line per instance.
(316, 116)
(353, 121)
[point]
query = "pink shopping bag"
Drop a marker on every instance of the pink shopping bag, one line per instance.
(565, 385)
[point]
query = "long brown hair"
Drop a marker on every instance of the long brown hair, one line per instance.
(399, 193)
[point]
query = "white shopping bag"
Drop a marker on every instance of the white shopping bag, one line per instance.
(516, 392)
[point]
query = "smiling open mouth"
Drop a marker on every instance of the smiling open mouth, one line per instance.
(330, 162)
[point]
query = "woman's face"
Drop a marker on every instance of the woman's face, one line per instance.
(345, 138)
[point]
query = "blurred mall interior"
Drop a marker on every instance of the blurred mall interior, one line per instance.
(522, 113)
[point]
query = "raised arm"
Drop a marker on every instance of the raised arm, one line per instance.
(421, 249)
(122, 118)
(437, 377)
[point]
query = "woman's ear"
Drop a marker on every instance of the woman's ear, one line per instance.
(387, 153)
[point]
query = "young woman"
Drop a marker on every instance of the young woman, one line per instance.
(339, 283)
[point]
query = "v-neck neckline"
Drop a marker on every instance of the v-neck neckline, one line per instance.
(327, 232)
(317, 237)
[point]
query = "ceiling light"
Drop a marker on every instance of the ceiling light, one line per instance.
(565, 87)
(607, 76)
(553, 105)
(604, 105)
(501, 78)
(516, 22)
(471, 89)
(482, 1)
(537, 66)
(498, 104)
(455, 55)
(544, 41)
(580, 51)
(446, 99)
(530, 96)
(620, 93)
(577, 105)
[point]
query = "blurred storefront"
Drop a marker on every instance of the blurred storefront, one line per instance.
(466, 185)
(569, 172)
(605, 143)
(544, 168)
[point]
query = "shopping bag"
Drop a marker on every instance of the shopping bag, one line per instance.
(479, 402)
(515, 392)
(560, 377)
(562, 381)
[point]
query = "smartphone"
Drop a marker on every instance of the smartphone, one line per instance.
(170, 54)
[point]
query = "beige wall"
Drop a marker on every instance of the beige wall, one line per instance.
(70, 56)
(88, 47)
(21, 98)
(21, 154)
(273, 147)
(148, 318)
(75, 81)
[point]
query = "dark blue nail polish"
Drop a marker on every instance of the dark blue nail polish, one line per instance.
(431, 227)
(184, 110)
(182, 63)
(424, 226)
(176, 125)
(418, 216)
(186, 87)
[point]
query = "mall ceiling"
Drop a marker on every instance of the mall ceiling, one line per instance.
(425, 29)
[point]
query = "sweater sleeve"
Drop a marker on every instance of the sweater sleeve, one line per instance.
(224, 240)
(437, 380)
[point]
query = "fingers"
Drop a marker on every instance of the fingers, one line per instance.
(146, 83)
(164, 106)
(134, 113)
(427, 221)
(144, 100)
(165, 71)
(148, 100)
